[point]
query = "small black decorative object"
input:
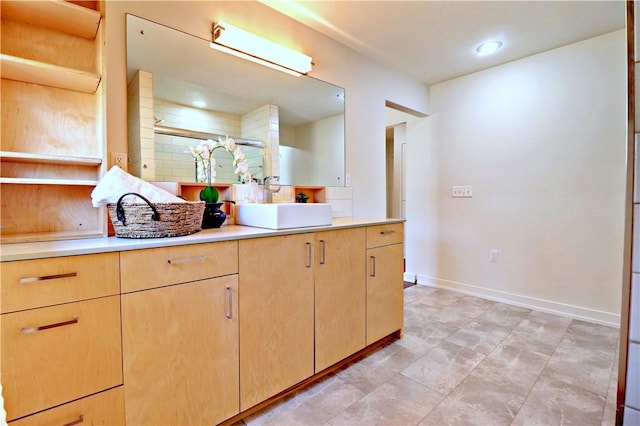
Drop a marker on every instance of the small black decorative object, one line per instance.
(214, 216)
(301, 198)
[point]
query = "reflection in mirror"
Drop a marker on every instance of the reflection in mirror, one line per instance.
(180, 89)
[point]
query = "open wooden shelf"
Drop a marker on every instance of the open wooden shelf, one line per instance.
(316, 194)
(56, 15)
(35, 181)
(53, 138)
(25, 157)
(29, 71)
(47, 236)
(191, 190)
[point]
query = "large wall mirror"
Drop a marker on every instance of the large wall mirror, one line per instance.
(292, 127)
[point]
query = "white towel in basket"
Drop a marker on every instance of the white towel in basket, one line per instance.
(116, 182)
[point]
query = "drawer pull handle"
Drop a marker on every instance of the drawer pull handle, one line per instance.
(308, 255)
(373, 266)
(179, 260)
(323, 260)
(25, 280)
(230, 297)
(29, 330)
(75, 422)
(387, 232)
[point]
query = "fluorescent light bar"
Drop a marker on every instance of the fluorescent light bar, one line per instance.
(257, 49)
(243, 55)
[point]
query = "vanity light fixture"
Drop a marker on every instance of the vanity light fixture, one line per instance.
(238, 42)
(488, 47)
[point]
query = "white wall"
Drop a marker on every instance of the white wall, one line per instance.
(367, 84)
(314, 152)
(542, 141)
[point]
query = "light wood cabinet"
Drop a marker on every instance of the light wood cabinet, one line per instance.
(194, 333)
(52, 148)
(180, 348)
(340, 295)
(385, 297)
(144, 269)
(28, 284)
(102, 409)
(56, 354)
(277, 323)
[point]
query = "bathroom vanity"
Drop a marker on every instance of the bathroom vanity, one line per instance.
(200, 329)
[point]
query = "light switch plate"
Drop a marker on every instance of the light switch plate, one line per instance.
(462, 191)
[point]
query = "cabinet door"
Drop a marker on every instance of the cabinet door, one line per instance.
(104, 408)
(180, 350)
(276, 328)
(56, 354)
(384, 291)
(340, 295)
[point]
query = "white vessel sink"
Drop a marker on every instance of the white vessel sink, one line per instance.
(283, 215)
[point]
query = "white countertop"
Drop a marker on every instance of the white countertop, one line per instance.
(40, 250)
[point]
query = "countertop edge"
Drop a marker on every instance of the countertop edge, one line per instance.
(46, 249)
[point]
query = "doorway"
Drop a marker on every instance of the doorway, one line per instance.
(396, 144)
(400, 133)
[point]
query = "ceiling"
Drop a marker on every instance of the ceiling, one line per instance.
(435, 41)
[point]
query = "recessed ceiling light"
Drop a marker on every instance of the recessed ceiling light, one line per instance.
(200, 104)
(488, 47)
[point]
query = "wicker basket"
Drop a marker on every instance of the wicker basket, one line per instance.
(158, 220)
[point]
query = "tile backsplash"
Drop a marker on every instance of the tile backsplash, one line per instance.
(340, 198)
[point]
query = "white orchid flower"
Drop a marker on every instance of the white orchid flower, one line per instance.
(242, 167)
(195, 151)
(204, 152)
(238, 156)
(230, 144)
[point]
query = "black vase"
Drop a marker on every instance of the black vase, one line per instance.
(213, 217)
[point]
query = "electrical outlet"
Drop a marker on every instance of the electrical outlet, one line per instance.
(494, 256)
(463, 191)
(119, 159)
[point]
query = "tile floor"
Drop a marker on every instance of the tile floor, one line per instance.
(467, 361)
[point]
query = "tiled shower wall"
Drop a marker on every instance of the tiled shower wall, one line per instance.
(173, 158)
(140, 118)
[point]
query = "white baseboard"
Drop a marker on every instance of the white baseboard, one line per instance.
(548, 306)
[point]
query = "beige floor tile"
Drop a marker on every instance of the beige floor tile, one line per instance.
(443, 367)
(400, 401)
(609, 415)
(319, 403)
(579, 366)
(437, 297)
(554, 402)
(369, 373)
(480, 336)
(593, 337)
(476, 402)
(422, 336)
(505, 315)
(514, 368)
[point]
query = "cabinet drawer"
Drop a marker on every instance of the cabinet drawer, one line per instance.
(30, 284)
(105, 408)
(60, 353)
(143, 269)
(383, 235)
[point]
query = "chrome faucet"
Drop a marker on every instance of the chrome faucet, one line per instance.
(270, 188)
